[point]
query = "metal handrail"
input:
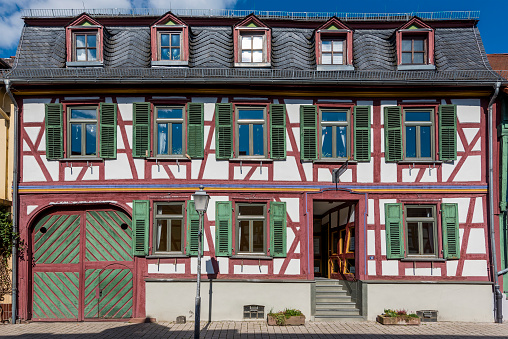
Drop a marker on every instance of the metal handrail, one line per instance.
(236, 13)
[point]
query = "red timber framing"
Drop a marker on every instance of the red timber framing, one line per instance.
(416, 27)
(84, 24)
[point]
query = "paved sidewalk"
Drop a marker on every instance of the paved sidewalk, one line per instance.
(253, 330)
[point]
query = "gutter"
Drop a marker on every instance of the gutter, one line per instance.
(498, 303)
(15, 204)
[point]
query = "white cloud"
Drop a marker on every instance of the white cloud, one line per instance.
(11, 23)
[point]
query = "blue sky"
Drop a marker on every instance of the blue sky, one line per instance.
(492, 12)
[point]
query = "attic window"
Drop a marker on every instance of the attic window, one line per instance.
(252, 43)
(169, 37)
(415, 46)
(334, 46)
(84, 42)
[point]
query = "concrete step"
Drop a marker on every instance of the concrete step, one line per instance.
(335, 305)
(339, 318)
(335, 312)
(332, 299)
(330, 288)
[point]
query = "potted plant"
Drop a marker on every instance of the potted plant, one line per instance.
(398, 317)
(287, 317)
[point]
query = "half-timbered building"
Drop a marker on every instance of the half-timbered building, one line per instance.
(345, 156)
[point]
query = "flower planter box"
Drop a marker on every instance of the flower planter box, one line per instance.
(293, 320)
(397, 320)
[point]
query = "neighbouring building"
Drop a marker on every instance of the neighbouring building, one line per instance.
(124, 114)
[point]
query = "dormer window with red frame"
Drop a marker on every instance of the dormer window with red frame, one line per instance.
(252, 40)
(170, 42)
(84, 37)
(415, 46)
(334, 46)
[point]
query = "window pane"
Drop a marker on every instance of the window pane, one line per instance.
(81, 55)
(176, 235)
(337, 59)
(326, 59)
(257, 236)
(338, 45)
(243, 140)
(162, 138)
(164, 40)
(341, 141)
(257, 140)
(76, 139)
(428, 237)
(425, 143)
(77, 113)
(333, 116)
(244, 236)
(249, 210)
(246, 42)
(246, 56)
(406, 58)
(326, 45)
(176, 138)
(418, 45)
(175, 40)
(169, 209)
(418, 58)
(175, 53)
(257, 42)
(251, 114)
(92, 54)
(91, 139)
(412, 238)
(80, 40)
(169, 113)
(417, 116)
(410, 141)
(406, 45)
(162, 235)
(257, 56)
(164, 53)
(419, 212)
(91, 40)
(326, 141)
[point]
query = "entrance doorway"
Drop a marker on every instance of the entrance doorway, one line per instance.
(334, 239)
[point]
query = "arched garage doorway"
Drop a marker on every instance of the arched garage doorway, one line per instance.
(82, 265)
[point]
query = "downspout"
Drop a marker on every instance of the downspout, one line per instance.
(498, 303)
(15, 206)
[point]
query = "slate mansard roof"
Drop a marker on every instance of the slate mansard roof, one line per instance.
(459, 55)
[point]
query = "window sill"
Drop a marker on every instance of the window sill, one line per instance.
(251, 159)
(82, 159)
(253, 64)
(336, 161)
(335, 67)
(169, 158)
(416, 68)
(84, 64)
(169, 63)
(409, 259)
(167, 255)
(251, 256)
(408, 162)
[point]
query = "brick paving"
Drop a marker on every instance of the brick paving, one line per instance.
(253, 330)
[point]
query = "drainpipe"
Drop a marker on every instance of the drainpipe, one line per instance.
(15, 206)
(498, 303)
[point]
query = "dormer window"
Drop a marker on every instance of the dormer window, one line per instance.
(84, 42)
(334, 46)
(415, 46)
(252, 43)
(170, 42)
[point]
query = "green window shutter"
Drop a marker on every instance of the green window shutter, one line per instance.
(362, 133)
(223, 222)
(192, 229)
(140, 222)
(450, 228)
(278, 131)
(394, 232)
(308, 132)
(108, 131)
(141, 129)
(448, 132)
(195, 130)
(278, 229)
(54, 131)
(393, 133)
(223, 131)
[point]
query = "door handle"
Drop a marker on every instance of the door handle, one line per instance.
(98, 293)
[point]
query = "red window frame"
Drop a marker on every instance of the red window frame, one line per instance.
(75, 28)
(424, 32)
(260, 29)
(159, 27)
(343, 32)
